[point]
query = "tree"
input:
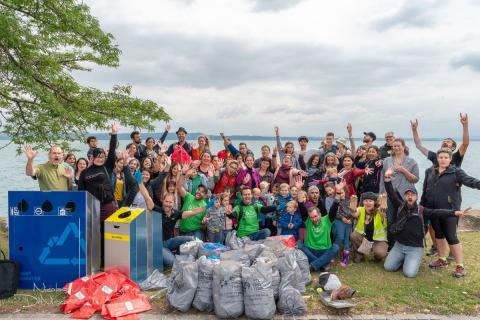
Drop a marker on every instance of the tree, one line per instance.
(41, 43)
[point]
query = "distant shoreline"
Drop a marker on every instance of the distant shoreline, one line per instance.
(194, 135)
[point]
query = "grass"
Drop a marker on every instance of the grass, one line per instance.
(378, 292)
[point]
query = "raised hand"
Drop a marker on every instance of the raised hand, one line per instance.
(246, 179)
(461, 213)
(276, 130)
(167, 127)
(114, 128)
(275, 150)
(464, 119)
(414, 124)
(29, 152)
(389, 172)
(220, 163)
(349, 129)
(378, 163)
(68, 173)
(368, 170)
(382, 200)
(125, 156)
(353, 203)
(298, 182)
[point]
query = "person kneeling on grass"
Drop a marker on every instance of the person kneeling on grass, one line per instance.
(248, 216)
(318, 245)
(370, 234)
(409, 228)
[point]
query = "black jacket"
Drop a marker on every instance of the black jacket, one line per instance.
(443, 191)
(413, 231)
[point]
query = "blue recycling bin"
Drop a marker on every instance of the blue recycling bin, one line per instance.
(54, 235)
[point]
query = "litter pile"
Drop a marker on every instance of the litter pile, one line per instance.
(111, 293)
(256, 278)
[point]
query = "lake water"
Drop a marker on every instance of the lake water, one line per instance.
(13, 177)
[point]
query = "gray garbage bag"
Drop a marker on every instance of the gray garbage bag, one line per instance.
(203, 300)
(253, 250)
(184, 280)
(291, 302)
(191, 247)
(258, 292)
(156, 280)
(272, 262)
(233, 241)
(276, 246)
(209, 249)
(304, 266)
(227, 289)
(236, 255)
(290, 273)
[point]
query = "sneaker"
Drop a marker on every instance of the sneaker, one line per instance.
(438, 264)
(432, 251)
(450, 257)
(459, 272)
(345, 259)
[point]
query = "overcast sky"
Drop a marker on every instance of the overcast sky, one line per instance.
(243, 66)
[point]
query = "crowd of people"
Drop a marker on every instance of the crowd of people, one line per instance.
(340, 201)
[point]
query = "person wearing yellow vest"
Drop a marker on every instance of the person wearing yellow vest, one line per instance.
(371, 226)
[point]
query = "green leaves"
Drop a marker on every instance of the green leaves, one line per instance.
(41, 43)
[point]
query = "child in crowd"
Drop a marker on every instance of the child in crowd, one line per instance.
(257, 196)
(290, 220)
(283, 197)
(215, 218)
(342, 226)
(329, 195)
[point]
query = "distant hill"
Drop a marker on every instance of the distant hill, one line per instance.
(194, 135)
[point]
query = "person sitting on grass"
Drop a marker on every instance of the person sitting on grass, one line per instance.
(248, 216)
(370, 234)
(318, 244)
(409, 228)
(290, 220)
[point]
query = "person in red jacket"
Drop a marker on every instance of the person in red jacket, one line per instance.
(226, 177)
(351, 174)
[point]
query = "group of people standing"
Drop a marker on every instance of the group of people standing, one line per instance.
(337, 200)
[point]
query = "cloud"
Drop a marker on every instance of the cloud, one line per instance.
(417, 14)
(173, 59)
(274, 5)
(471, 60)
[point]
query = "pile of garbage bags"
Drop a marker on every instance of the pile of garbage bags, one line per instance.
(111, 293)
(255, 279)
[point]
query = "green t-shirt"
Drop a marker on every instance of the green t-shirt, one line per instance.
(194, 222)
(249, 222)
(50, 177)
(318, 236)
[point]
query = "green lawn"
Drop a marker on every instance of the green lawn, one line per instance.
(378, 292)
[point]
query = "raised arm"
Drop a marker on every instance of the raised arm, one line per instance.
(180, 178)
(392, 194)
(110, 163)
(466, 136)
(416, 138)
(281, 153)
(165, 133)
(350, 137)
(31, 154)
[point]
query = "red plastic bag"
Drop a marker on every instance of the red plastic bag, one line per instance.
(75, 286)
(85, 312)
(127, 305)
(76, 300)
(288, 240)
(180, 155)
(107, 287)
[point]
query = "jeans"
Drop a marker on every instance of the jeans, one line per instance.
(216, 236)
(391, 218)
(259, 235)
(199, 234)
(319, 258)
(170, 245)
(408, 257)
(342, 233)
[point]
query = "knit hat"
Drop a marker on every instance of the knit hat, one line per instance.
(370, 196)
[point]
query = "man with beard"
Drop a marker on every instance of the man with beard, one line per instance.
(408, 228)
(449, 143)
(369, 138)
(52, 175)
(182, 142)
(386, 149)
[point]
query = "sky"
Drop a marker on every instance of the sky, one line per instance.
(245, 66)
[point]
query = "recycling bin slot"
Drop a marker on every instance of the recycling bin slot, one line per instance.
(116, 227)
